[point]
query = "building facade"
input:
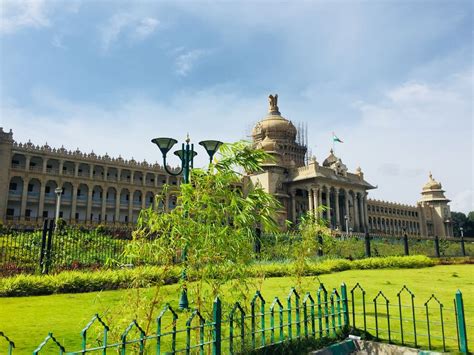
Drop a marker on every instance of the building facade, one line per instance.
(302, 185)
(95, 189)
(101, 189)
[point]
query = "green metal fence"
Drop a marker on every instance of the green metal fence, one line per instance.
(428, 325)
(49, 250)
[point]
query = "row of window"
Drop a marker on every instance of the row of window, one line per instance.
(49, 167)
(389, 210)
(46, 214)
(387, 223)
(48, 190)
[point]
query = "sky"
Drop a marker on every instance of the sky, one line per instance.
(393, 80)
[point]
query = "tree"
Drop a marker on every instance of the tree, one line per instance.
(214, 223)
(470, 216)
(466, 222)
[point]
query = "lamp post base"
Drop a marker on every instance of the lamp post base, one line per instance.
(183, 300)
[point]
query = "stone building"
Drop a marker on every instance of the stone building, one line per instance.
(96, 189)
(302, 187)
(101, 189)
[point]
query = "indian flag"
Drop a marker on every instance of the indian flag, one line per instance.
(335, 138)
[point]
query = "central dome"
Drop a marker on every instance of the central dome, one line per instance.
(275, 134)
(274, 125)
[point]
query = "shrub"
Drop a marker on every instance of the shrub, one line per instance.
(146, 276)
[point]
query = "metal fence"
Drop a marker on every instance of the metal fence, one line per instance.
(50, 249)
(261, 324)
(360, 245)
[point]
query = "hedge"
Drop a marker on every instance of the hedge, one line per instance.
(145, 276)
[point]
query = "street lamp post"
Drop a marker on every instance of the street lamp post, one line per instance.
(186, 154)
(58, 192)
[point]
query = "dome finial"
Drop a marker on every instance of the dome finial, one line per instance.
(273, 101)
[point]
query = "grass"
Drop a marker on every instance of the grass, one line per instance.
(27, 320)
(144, 276)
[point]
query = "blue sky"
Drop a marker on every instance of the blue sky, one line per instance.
(393, 79)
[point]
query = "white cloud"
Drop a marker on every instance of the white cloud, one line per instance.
(135, 121)
(146, 27)
(186, 61)
(412, 129)
(124, 25)
(15, 15)
(57, 41)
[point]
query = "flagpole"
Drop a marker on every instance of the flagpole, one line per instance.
(333, 145)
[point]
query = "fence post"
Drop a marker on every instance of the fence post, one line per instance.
(405, 243)
(320, 245)
(461, 322)
(216, 334)
(367, 245)
(49, 246)
(43, 245)
(436, 241)
(463, 248)
(345, 306)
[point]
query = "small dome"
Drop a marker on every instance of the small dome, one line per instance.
(331, 159)
(268, 144)
(432, 184)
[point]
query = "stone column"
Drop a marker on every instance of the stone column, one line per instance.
(320, 199)
(315, 202)
(74, 203)
(41, 199)
(89, 203)
(132, 176)
(117, 206)
(130, 206)
(27, 162)
(346, 208)
(106, 170)
(310, 200)
(167, 202)
(328, 201)
(24, 197)
(61, 165)
(293, 205)
(91, 171)
(366, 212)
(155, 204)
(104, 204)
(76, 169)
(45, 164)
(356, 212)
(156, 180)
(338, 214)
(143, 199)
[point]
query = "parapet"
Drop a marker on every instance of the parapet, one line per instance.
(6, 136)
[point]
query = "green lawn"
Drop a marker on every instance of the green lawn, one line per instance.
(27, 320)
